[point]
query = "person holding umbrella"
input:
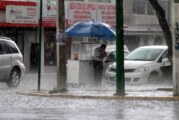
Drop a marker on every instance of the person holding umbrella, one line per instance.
(99, 55)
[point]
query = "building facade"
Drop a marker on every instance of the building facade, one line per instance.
(139, 17)
(142, 23)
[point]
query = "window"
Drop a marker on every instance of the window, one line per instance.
(138, 7)
(144, 7)
(111, 57)
(158, 41)
(150, 10)
(164, 55)
(11, 48)
(146, 42)
(163, 5)
(2, 48)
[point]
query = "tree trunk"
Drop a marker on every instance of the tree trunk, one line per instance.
(163, 23)
(167, 73)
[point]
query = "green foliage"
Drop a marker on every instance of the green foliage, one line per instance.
(58, 90)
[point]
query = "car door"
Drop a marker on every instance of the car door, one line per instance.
(4, 60)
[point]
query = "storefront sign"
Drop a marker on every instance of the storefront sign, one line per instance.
(106, 13)
(49, 13)
(4, 3)
(21, 14)
(80, 11)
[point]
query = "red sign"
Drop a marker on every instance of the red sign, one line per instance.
(20, 3)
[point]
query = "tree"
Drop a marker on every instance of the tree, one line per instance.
(163, 23)
(166, 71)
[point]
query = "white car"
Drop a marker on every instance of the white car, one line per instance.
(111, 55)
(141, 66)
(11, 63)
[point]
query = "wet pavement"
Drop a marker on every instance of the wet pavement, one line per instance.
(48, 82)
(19, 107)
(15, 106)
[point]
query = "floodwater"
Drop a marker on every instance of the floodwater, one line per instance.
(19, 107)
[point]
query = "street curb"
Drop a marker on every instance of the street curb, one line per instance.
(64, 95)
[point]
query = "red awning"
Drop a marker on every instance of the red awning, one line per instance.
(17, 25)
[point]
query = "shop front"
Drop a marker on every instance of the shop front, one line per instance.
(19, 21)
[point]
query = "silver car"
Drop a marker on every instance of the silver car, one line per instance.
(142, 65)
(11, 63)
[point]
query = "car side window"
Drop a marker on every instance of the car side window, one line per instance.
(164, 55)
(2, 48)
(111, 57)
(11, 48)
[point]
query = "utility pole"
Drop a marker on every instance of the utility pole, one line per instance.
(39, 48)
(120, 85)
(61, 48)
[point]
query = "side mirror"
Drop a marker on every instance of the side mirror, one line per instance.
(166, 62)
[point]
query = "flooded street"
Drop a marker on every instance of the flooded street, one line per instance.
(19, 107)
(133, 45)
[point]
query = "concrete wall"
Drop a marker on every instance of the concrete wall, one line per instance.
(175, 19)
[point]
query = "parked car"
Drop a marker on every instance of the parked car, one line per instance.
(11, 63)
(111, 55)
(141, 65)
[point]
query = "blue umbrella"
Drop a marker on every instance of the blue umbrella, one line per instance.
(94, 29)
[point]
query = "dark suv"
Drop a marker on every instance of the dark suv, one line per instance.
(11, 63)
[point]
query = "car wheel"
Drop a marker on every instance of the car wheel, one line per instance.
(14, 78)
(153, 77)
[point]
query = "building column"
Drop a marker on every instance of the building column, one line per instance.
(175, 33)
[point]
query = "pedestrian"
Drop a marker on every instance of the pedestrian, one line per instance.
(99, 55)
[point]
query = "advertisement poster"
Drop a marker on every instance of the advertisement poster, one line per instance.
(80, 11)
(60, 37)
(49, 13)
(21, 14)
(107, 13)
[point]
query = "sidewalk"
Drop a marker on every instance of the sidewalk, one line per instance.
(147, 92)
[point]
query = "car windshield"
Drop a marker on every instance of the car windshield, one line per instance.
(144, 54)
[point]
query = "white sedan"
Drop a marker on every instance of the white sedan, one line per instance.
(141, 66)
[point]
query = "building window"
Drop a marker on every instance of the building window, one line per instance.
(163, 5)
(138, 7)
(158, 41)
(150, 10)
(144, 7)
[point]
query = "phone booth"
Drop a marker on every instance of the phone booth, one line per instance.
(80, 65)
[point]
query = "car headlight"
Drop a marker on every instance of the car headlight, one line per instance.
(142, 69)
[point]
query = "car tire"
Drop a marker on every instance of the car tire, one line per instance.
(14, 78)
(153, 77)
